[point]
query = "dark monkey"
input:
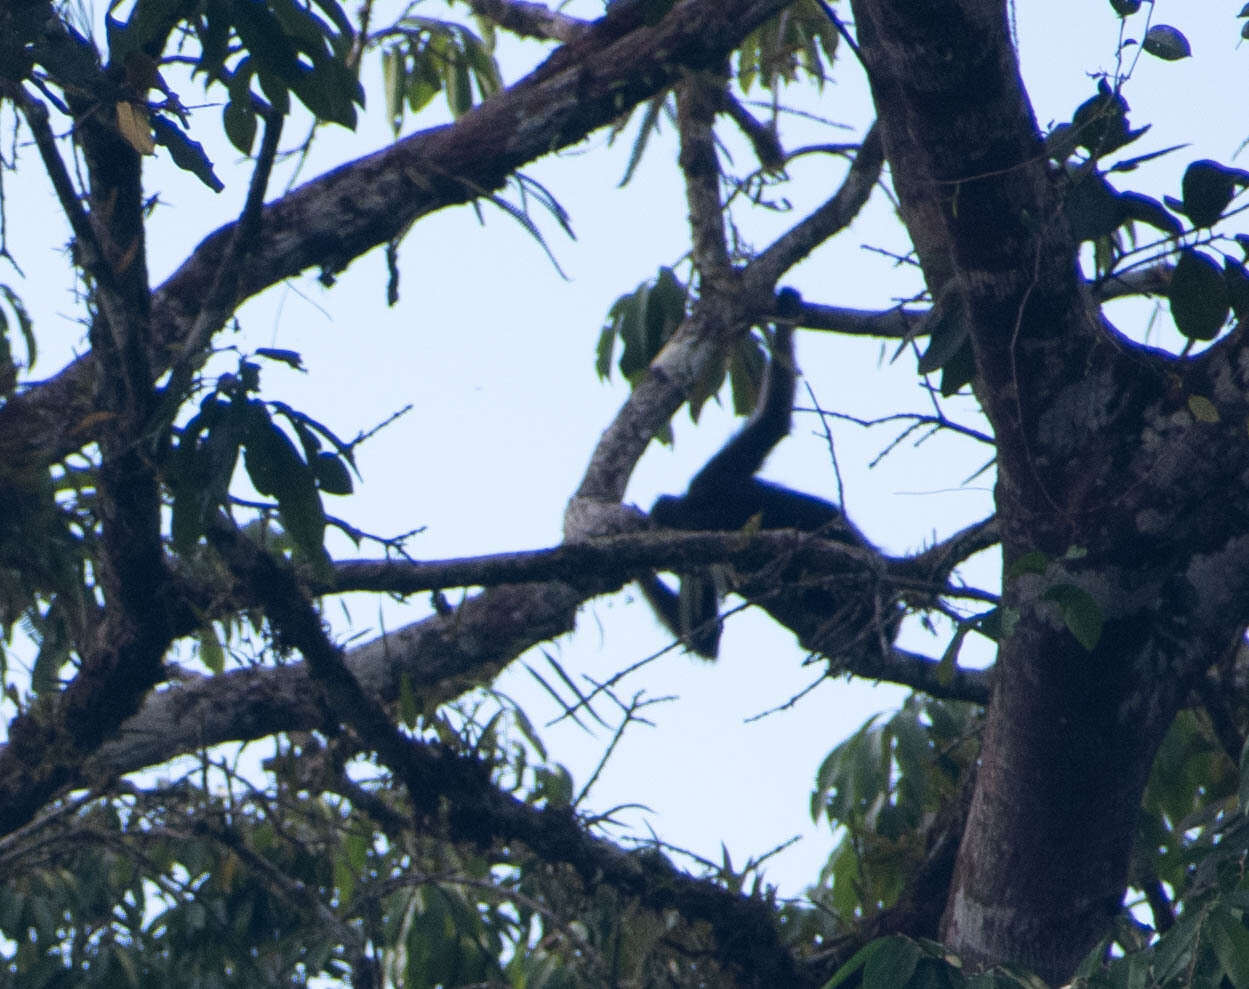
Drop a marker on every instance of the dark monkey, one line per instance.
(725, 496)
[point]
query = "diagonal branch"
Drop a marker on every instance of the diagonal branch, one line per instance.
(697, 341)
(454, 791)
(530, 20)
(331, 220)
(834, 216)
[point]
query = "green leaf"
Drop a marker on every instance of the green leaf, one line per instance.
(266, 40)
(329, 90)
(1208, 188)
(276, 469)
(332, 474)
(239, 120)
(605, 350)
(269, 454)
(645, 319)
(394, 81)
(893, 965)
(1166, 42)
(1203, 409)
(459, 88)
(858, 961)
(1145, 209)
(300, 419)
(959, 370)
(1198, 296)
(554, 784)
(210, 652)
(409, 705)
(1230, 941)
(1081, 613)
(648, 126)
(1092, 207)
(186, 154)
(344, 879)
(948, 329)
(214, 37)
(291, 358)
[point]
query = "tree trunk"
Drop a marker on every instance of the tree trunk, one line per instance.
(1104, 495)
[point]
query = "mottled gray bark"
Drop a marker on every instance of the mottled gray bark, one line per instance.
(1101, 466)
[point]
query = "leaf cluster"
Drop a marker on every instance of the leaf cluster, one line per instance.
(422, 57)
(232, 420)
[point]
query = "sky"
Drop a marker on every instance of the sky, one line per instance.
(494, 351)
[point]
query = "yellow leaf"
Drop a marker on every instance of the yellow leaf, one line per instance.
(132, 122)
(1202, 408)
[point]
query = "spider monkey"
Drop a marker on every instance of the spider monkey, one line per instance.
(725, 496)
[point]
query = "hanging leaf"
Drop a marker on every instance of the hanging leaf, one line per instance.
(948, 328)
(1198, 296)
(332, 474)
(1081, 613)
(1208, 188)
(239, 121)
(132, 122)
(276, 469)
(959, 370)
(1165, 42)
(645, 319)
(210, 652)
(214, 37)
(187, 154)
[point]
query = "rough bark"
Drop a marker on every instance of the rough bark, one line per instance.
(333, 219)
(1101, 467)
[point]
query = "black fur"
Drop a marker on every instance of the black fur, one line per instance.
(725, 496)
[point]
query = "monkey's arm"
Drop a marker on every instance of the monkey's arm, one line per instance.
(743, 455)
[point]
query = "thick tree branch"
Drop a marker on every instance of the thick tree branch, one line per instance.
(444, 655)
(698, 97)
(329, 221)
(530, 20)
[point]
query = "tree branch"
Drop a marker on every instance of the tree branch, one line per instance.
(331, 220)
(699, 340)
(531, 20)
(454, 791)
